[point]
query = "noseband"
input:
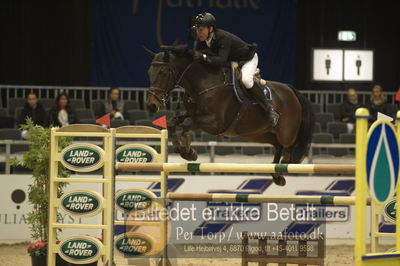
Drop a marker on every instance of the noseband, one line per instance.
(153, 90)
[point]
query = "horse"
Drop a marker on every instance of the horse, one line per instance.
(211, 106)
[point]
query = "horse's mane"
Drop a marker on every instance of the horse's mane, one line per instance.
(183, 51)
(179, 50)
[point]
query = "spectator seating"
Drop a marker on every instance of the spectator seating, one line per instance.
(328, 128)
(13, 134)
(317, 107)
(336, 128)
(13, 104)
(17, 112)
(132, 105)
(334, 108)
(7, 122)
(47, 103)
(96, 107)
(317, 127)
(88, 121)
(348, 139)
(144, 122)
(77, 103)
(85, 113)
(322, 138)
(392, 110)
(134, 115)
(323, 119)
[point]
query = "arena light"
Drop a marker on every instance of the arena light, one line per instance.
(347, 36)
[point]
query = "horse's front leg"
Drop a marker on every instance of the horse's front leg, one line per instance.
(186, 151)
(172, 124)
(181, 143)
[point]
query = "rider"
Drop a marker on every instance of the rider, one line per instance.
(226, 47)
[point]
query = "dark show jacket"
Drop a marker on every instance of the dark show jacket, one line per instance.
(347, 109)
(38, 115)
(225, 47)
(53, 117)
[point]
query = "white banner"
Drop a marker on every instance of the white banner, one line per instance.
(14, 203)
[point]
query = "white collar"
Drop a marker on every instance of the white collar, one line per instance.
(208, 41)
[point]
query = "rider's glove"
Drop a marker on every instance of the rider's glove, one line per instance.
(197, 56)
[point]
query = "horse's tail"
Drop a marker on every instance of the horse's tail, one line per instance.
(304, 136)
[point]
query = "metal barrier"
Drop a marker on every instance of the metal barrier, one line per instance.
(322, 98)
(211, 145)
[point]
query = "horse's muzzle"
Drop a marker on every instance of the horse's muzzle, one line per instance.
(152, 107)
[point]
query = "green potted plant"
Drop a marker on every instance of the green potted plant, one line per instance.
(38, 159)
(38, 251)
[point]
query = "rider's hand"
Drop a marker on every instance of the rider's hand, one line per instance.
(197, 56)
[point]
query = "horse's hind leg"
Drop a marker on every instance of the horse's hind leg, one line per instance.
(278, 178)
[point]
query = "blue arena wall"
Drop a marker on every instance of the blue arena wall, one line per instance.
(120, 28)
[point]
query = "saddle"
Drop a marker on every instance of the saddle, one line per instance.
(241, 92)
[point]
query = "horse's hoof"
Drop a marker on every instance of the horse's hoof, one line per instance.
(279, 180)
(190, 155)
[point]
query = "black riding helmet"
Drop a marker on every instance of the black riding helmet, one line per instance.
(205, 20)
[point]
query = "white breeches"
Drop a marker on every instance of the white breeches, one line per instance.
(248, 71)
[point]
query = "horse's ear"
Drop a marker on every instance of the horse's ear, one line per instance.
(149, 52)
(166, 57)
(166, 47)
(180, 50)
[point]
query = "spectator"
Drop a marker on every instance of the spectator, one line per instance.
(348, 108)
(32, 109)
(62, 114)
(114, 105)
(378, 103)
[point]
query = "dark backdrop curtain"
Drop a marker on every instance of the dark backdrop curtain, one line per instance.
(44, 42)
(121, 27)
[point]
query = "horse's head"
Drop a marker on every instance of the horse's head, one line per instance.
(164, 73)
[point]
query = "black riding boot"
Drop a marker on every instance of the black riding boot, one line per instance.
(261, 98)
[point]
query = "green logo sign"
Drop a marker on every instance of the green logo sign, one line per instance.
(133, 244)
(134, 153)
(390, 211)
(382, 161)
(82, 157)
(134, 199)
(81, 203)
(80, 249)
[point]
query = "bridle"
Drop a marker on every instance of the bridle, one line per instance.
(172, 72)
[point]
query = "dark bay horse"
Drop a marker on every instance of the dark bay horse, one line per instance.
(211, 107)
